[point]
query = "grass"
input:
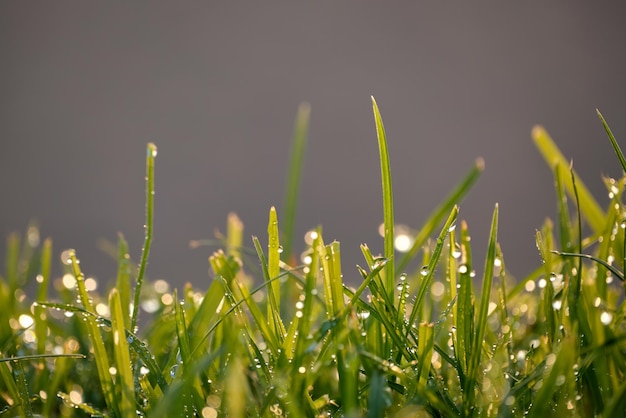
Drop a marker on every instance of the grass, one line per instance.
(292, 339)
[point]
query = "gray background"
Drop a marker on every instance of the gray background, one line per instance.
(85, 85)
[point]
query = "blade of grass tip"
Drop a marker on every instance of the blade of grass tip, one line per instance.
(123, 278)
(93, 331)
(616, 147)
(234, 235)
(150, 157)
(483, 309)
(124, 373)
(296, 163)
(440, 212)
(555, 159)
(388, 221)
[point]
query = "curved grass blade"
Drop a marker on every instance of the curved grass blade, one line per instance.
(150, 156)
(611, 268)
(296, 163)
(556, 161)
(388, 220)
(40, 356)
(618, 150)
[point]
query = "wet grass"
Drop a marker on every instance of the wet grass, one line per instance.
(291, 338)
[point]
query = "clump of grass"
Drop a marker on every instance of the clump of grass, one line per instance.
(293, 339)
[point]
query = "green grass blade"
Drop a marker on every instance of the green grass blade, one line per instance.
(125, 383)
(93, 331)
(434, 260)
(618, 150)
(294, 175)
(388, 220)
(123, 279)
(19, 375)
(150, 157)
(440, 212)
(273, 264)
(589, 207)
(481, 320)
(41, 325)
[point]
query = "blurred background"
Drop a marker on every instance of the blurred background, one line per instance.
(216, 85)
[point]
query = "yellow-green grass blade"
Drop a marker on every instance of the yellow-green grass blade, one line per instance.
(616, 147)
(388, 216)
(273, 265)
(124, 373)
(424, 351)
(589, 207)
(122, 283)
(440, 212)
(150, 157)
(93, 331)
(234, 236)
(155, 374)
(294, 176)
(207, 312)
(86, 408)
(193, 398)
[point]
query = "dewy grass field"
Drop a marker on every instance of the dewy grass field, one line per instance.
(273, 336)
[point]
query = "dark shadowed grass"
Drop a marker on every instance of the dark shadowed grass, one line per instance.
(280, 337)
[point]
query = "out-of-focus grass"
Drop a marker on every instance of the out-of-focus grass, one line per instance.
(294, 339)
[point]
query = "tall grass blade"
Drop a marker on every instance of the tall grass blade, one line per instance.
(388, 217)
(93, 331)
(150, 157)
(475, 355)
(294, 176)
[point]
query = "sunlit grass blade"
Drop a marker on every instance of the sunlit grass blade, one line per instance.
(440, 212)
(86, 408)
(122, 283)
(150, 157)
(388, 216)
(125, 383)
(93, 331)
(475, 355)
(589, 207)
(616, 147)
(424, 351)
(273, 263)
(294, 175)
